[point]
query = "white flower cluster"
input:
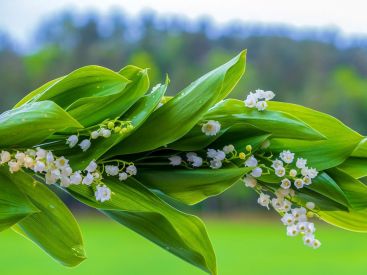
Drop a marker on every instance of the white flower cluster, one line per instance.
(259, 99)
(211, 128)
(56, 170)
(116, 170)
(300, 174)
(214, 158)
(105, 131)
(296, 219)
(252, 162)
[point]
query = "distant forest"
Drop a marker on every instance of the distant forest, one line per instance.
(315, 68)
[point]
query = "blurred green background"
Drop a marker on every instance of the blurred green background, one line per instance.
(313, 68)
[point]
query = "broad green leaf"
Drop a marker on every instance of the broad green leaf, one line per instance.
(354, 220)
(14, 204)
(361, 150)
(84, 82)
(190, 185)
(355, 167)
(278, 123)
(325, 185)
(94, 109)
(354, 190)
(322, 154)
(38, 91)
(32, 123)
(54, 228)
(137, 114)
(180, 114)
(141, 210)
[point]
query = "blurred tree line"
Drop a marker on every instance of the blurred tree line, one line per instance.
(307, 69)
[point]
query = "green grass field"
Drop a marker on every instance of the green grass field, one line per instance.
(243, 247)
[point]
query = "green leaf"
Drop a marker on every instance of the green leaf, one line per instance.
(14, 204)
(94, 109)
(325, 185)
(355, 167)
(322, 154)
(38, 91)
(175, 118)
(137, 114)
(190, 185)
(354, 220)
(278, 123)
(54, 228)
(138, 208)
(84, 82)
(361, 150)
(354, 190)
(32, 123)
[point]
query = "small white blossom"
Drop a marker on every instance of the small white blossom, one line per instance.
(277, 203)
(65, 181)
(220, 155)
(103, 193)
(13, 166)
(298, 183)
(85, 144)
(249, 181)
(277, 163)
(280, 171)
(66, 171)
(215, 164)
(268, 95)
(92, 167)
(228, 149)
(50, 157)
(312, 173)
(297, 212)
(301, 163)
(287, 156)
(41, 153)
(293, 173)
(39, 167)
(264, 200)
(190, 156)
(19, 156)
(131, 170)
(251, 100)
(257, 172)
(211, 153)
(123, 176)
(287, 205)
(307, 180)
(302, 226)
(175, 160)
(316, 244)
(261, 105)
(29, 162)
(76, 178)
(88, 179)
(211, 128)
(61, 163)
(251, 162)
(105, 133)
(286, 183)
(5, 157)
(95, 134)
(288, 219)
(112, 170)
(292, 231)
(197, 161)
(308, 239)
(72, 141)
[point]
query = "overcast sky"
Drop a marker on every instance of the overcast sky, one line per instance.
(20, 17)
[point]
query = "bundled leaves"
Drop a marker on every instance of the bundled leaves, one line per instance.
(98, 135)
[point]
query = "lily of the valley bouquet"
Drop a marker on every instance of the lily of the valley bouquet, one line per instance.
(105, 139)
